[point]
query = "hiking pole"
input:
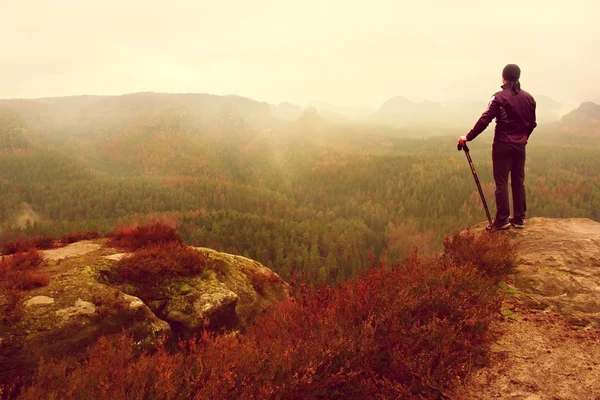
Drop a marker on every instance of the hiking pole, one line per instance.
(466, 149)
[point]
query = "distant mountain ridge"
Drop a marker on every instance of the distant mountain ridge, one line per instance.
(587, 110)
(583, 121)
(105, 115)
(399, 110)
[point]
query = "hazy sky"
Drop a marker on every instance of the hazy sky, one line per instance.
(343, 52)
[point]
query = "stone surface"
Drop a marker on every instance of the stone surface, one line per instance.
(214, 305)
(536, 355)
(116, 257)
(559, 267)
(81, 308)
(256, 285)
(72, 250)
(39, 301)
(541, 350)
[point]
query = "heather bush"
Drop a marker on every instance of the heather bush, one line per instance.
(77, 237)
(119, 372)
(261, 280)
(410, 331)
(154, 263)
(15, 269)
(18, 273)
(43, 242)
(22, 246)
(133, 238)
(14, 247)
(493, 254)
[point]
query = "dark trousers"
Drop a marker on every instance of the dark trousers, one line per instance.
(509, 158)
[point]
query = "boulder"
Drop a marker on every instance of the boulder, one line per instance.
(256, 285)
(230, 292)
(39, 301)
(200, 302)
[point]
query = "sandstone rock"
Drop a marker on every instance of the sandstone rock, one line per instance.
(80, 308)
(70, 314)
(72, 250)
(559, 267)
(116, 257)
(39, 301)
(227, 295)
(256, 285)
(134, 302)
(214, 305)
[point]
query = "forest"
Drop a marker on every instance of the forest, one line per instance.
(307, 195)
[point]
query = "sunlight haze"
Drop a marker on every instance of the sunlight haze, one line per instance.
(347, 53)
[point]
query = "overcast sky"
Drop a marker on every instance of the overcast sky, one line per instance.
(346, 52)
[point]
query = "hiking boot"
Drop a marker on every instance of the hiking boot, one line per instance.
(498, 226)
(516, 223)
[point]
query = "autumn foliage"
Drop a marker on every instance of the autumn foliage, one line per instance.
(77, 237)
(158, 261)
(18, 273)
(40, 243)
(133, 238)
(410, 331)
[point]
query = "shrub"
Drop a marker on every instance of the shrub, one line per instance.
(410, 331)
(14, 270)
(152, 264)
(18, 273)
(42, 242)
(493, 255)
(77, 237)
(261, 280)
(22, 246)
(14, 247)
(117, 374)
(134, 238)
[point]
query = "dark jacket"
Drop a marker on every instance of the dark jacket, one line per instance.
(514, 113)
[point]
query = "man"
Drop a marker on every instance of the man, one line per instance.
(514, 110)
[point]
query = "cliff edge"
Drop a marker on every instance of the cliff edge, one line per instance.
(548, 337)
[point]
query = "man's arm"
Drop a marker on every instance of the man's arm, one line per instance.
(533, 123)
(485, 119)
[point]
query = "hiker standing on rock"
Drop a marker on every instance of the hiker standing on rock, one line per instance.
(514, 110)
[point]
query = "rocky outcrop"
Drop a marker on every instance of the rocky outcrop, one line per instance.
(80, 304)
(70, 314)
(559, 267)
(229, 293)
(546, 346)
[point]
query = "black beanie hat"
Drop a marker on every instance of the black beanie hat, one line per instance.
(511, 72)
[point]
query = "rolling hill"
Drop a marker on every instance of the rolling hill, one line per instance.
(583, 121)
